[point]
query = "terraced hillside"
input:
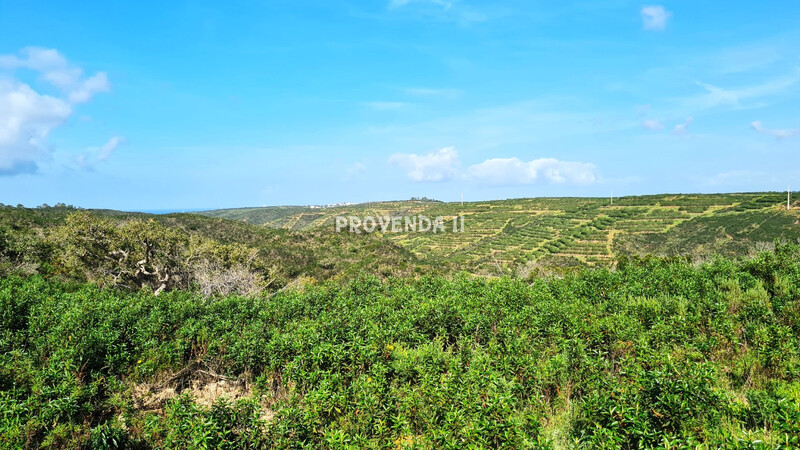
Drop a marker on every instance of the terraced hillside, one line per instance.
(508, 234)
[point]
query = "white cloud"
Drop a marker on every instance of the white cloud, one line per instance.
(28, 117)
(682, 128)
(90, 86)
(654, 17)
(776, 133)
(509, 171)
(436, 166)
(56, 70)
(49, 62)
(652, 124)
(443, 165)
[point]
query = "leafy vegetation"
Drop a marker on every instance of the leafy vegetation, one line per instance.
(185, 251)
(127, 330)
(659, 353)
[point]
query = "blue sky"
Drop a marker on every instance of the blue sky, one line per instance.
(173, 105)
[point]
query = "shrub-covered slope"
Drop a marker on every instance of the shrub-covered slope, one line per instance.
(657, 354)
(178, 250)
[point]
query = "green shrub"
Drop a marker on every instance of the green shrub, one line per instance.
(657, 353)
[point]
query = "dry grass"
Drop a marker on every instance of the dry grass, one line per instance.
(204, 386)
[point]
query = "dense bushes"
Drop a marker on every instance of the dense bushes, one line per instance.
(132, 254)
(658, 354)
(187, 251)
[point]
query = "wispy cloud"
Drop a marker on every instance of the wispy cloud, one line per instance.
(94, 155)
(88, 87)
(654, 17)
(109, 147)
(355, 171)
(736, 98)
(656, 125)
(652, 124)
(682, 128)
(56, 70)
(774, 132)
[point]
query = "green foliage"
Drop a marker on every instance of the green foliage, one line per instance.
(145, 254)
(222, 426)
(217, 256)
(657, 354)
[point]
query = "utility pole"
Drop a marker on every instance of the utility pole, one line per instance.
(788, 198)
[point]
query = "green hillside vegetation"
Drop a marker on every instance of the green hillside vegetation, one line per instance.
(507, 236)
(130, 330)
(657, 354)
(186, 250)
(257, 216)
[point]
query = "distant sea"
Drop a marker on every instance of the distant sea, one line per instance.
(170, 211)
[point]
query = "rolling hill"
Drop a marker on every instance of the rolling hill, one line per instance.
(503, 235)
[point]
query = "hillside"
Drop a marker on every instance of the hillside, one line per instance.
(257, 216)
(657, 354)
(33, 240)
(505, 235)
(129, 330)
